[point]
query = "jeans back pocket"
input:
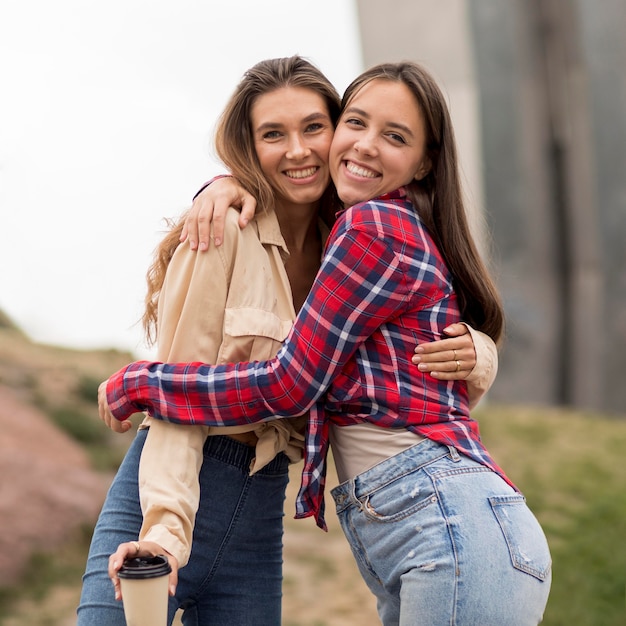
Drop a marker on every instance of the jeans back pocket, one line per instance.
(524, 537)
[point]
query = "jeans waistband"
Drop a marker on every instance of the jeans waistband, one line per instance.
(391, 469)
(240, 455)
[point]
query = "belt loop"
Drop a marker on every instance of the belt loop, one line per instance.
(454, 454)
(353, 493)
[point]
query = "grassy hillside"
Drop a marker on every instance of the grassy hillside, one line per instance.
(63, 383)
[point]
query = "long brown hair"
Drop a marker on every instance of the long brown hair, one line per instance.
(438, 197)
(234, 144)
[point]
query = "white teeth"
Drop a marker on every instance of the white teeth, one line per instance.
(359, 171)
(300, 173)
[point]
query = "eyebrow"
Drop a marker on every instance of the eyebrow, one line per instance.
(366, 115)
(309, 118)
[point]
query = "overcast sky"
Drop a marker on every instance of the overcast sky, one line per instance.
(107, 111)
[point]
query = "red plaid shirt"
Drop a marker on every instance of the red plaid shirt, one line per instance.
(383, 288)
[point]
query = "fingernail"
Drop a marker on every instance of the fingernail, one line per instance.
(416, 359)
(448, 329)
(218, 241)
(422, 367)
(192, 244)
(245, 221)
(204, 245)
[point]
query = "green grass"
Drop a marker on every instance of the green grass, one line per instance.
(571, 468)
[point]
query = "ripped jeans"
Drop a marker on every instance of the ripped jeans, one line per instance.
(442, 540)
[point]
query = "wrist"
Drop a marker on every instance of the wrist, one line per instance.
(209, 182)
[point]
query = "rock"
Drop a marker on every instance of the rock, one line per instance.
(47, 487)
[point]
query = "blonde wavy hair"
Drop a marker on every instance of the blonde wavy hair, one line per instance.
(234, 145)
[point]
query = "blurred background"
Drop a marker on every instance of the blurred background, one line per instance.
(106, 118)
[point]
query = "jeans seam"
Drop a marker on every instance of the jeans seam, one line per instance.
(227, 536)
(457, 573)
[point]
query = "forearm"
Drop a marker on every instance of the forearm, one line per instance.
(196, 393)
(168, 486)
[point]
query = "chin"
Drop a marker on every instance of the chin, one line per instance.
(350, 199)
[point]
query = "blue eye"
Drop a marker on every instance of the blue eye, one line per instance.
(396, 137)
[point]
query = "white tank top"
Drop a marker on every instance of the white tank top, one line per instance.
(358, 447)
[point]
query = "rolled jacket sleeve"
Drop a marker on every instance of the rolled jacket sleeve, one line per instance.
(191, 311)
(481, 378)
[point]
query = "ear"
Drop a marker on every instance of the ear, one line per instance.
(423, 170)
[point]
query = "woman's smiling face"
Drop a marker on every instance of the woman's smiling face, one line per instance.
(379, 144)
(292, 132)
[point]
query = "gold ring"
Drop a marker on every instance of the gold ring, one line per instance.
(137, 547)
(454, 352)
(458, 365)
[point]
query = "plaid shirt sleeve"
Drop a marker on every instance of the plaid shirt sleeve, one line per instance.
(359, 287)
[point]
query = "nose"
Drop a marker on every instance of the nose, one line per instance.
(297, 148)
(366, 144)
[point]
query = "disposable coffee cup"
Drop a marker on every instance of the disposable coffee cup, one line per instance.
(144, 582)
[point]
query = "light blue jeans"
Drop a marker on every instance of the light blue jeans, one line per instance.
(234, 574)
(442, 540)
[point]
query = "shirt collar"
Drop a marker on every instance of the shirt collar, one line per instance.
(269, 230)
(396, 194)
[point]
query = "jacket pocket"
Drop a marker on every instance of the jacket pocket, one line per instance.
(526, 542)
(252, 334)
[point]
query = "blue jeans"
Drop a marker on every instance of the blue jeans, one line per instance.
(440, 539)
(234, 574)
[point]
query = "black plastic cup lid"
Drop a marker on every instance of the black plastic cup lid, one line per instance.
(145, 567)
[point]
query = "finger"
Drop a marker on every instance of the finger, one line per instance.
(447, 349)
(220, 209)
(462, 342)
(173, 580)
(116, 425)
(462, 374)
(102, 400)
(116, 560)
(248, 208)
(183, 233)
(445, 359)
(191, 223)
(456, 330)
(117, 588)
(119, 427)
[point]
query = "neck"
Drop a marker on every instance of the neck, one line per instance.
(297, 222)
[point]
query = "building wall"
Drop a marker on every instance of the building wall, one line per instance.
(538, 94)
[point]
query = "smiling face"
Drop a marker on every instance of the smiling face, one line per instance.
(379, 144)
(292, 132)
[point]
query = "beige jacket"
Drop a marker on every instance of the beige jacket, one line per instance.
(229, 304)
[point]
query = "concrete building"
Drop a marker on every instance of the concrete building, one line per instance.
(538, 97)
